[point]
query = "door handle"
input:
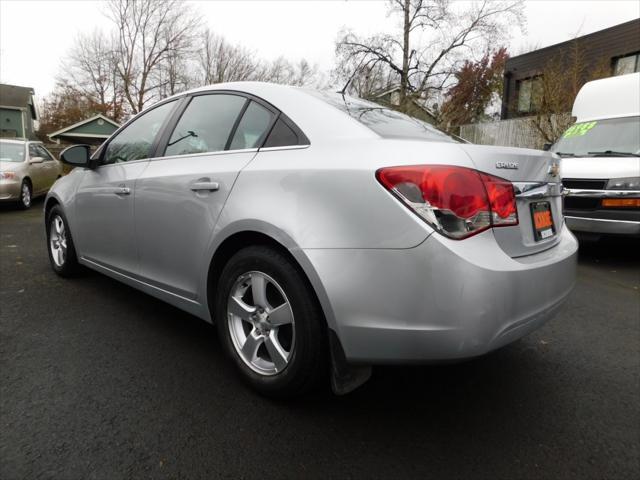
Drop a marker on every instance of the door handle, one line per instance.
(209, 186)
(122, 190)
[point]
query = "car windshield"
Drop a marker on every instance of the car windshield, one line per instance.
(612, 137)
(384, 121)
(11, 152)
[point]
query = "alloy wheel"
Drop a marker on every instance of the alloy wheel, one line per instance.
(261, 323)
(58, 241)
(26, 195)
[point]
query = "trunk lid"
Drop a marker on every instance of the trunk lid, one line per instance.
(536, 178)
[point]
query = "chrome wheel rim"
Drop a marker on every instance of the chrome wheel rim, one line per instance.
(58, 241)
(26, 195)
(261, 323)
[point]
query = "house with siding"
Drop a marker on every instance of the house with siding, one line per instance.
(390, 97)
(17, 112)
(91, 131)
(616, 48)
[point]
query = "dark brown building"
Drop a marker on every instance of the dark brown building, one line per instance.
(617, 48)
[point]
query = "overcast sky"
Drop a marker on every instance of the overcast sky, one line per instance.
(34, 35)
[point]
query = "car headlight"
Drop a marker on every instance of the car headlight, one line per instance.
(629, 183)
(7, 175)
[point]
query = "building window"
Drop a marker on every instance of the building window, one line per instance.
(627, 64)
(529, 95)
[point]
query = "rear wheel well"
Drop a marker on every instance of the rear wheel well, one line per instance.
(28, 180)
(236, 242)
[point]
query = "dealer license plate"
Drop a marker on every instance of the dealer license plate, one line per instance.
(543, 226)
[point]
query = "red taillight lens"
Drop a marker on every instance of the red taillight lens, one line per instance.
(456, 201)
(502, 200)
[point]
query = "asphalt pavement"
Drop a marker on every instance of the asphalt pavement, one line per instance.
(99, 381)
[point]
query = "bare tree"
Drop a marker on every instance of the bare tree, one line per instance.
(365, 80)
(148, 32)
(219, 61)
(91, 67)
(445, 30)
(177, 71)
(556, 86)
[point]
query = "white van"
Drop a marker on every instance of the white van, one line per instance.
(601, 158)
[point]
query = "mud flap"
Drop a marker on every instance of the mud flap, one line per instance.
(345, 378)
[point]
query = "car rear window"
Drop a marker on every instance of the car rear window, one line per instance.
(11, 152)
(384, 121)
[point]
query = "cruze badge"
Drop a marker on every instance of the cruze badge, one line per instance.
(509, 165)
(554, 170)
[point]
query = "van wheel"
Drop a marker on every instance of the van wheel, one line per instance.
(270, 324)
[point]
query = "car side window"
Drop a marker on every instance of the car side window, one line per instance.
(252, 127)
(205, 125)
(136, 140)
(33, 151)
(42, 152)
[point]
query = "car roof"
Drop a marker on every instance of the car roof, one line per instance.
(320, 121)
(14, 140)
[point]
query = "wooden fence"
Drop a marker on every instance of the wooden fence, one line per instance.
(516, 132)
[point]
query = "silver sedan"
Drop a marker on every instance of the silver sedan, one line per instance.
(27, 170)
(322, 234)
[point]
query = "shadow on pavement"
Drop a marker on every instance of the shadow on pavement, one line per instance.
(611, 251)
(36, 204)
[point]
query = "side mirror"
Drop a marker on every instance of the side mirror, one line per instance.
(36, 160)
(77, 155)
(547, 146)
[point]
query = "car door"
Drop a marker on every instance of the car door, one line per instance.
(37, 172)
(104, 203)
(181, 194)
(49, 167)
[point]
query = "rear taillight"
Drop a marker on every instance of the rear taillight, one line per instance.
(456, 201)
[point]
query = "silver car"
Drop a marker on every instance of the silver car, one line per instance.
(27, 170)
(322, 234)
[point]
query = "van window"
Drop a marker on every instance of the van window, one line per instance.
(620, 136)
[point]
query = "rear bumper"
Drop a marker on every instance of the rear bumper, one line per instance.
(9, 190)
(442, 300)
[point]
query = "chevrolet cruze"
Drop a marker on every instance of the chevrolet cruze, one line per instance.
(322, 234)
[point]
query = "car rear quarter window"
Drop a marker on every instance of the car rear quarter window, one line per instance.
(206, 124)
(252, 128)
(282, 135)
(134, 142)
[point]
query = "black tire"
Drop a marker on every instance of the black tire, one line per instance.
(24, 201)
(70, 266)
(307, 363)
